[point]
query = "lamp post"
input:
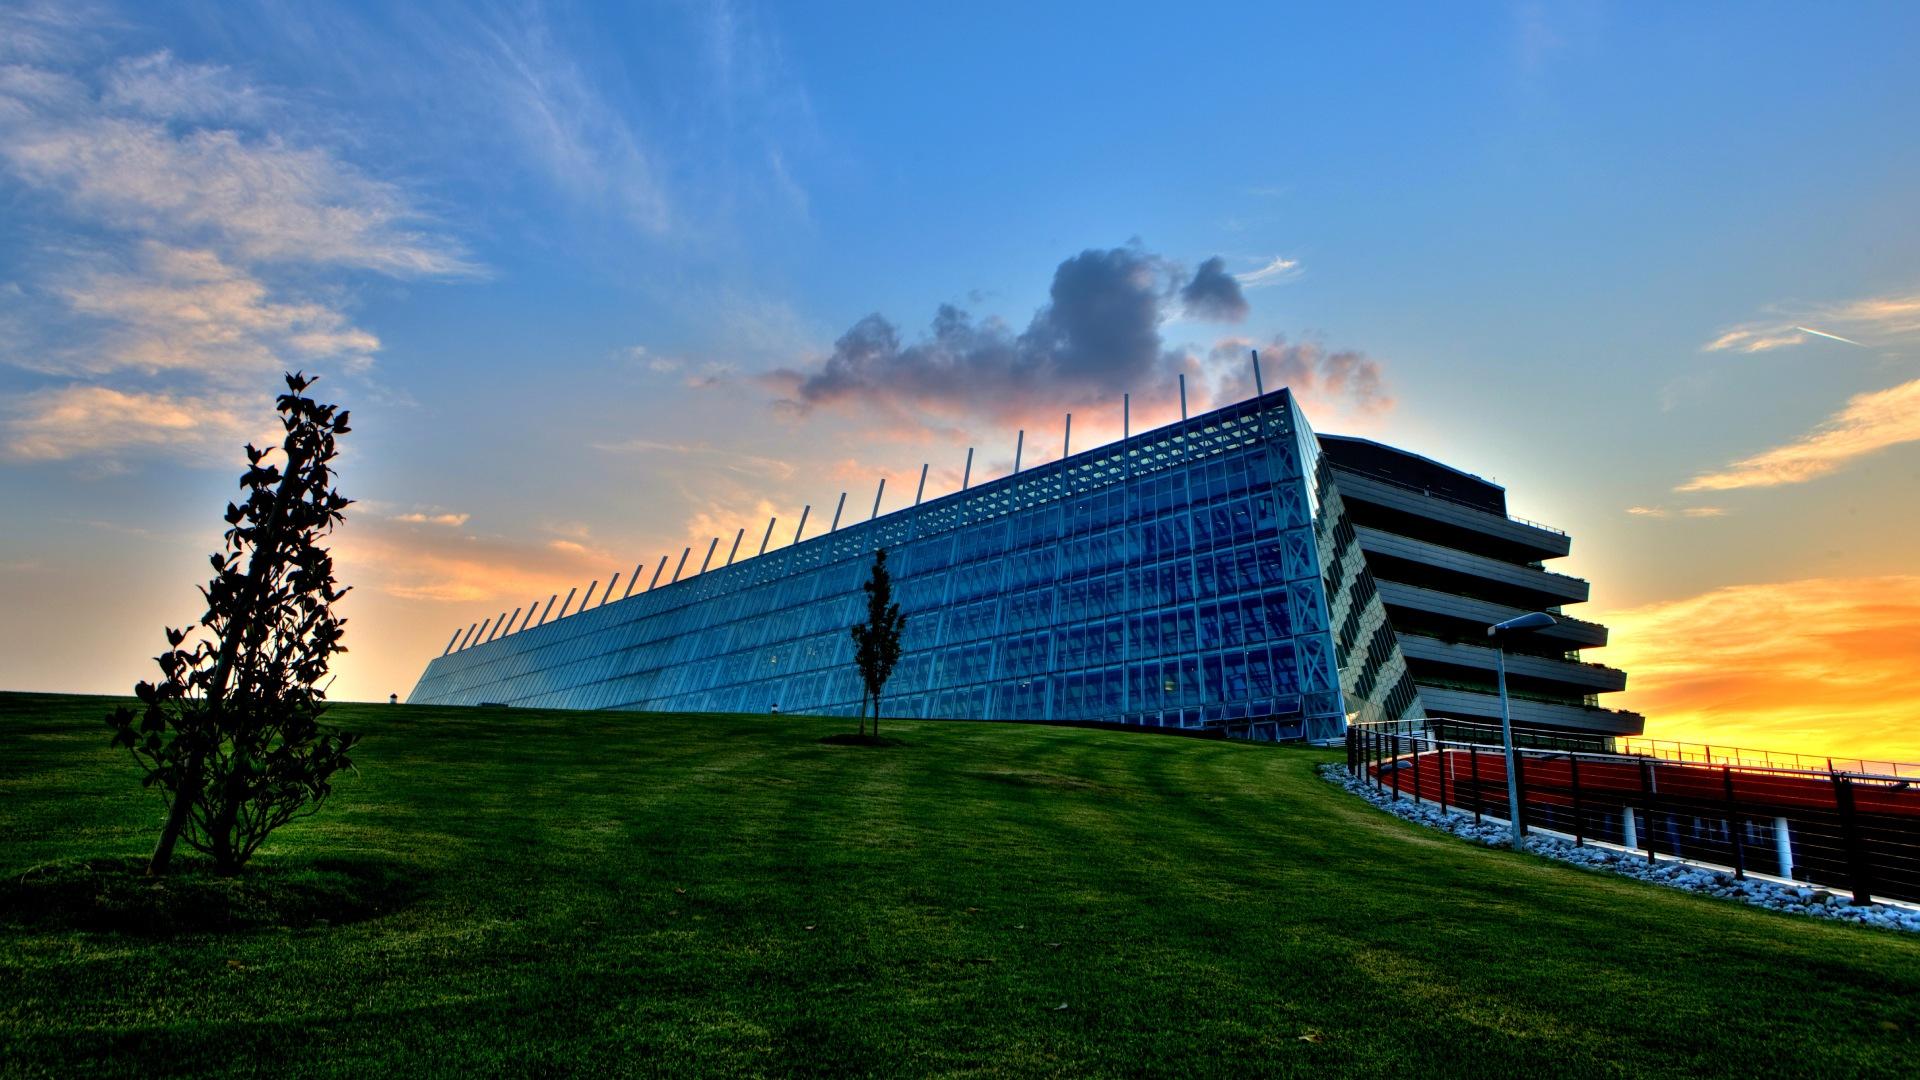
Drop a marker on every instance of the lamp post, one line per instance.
(1535, 620)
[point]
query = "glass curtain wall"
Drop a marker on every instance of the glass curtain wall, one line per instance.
(1199, 575)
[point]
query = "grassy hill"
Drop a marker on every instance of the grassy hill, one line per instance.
(544, 891)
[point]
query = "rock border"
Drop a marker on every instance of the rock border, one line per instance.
(1791, 899)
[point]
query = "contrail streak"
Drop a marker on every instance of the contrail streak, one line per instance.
(1830, 337)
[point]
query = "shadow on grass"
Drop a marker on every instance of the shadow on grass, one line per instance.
(115, 895)
(861, 740)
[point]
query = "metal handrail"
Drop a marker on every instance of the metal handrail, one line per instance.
(1635, 747)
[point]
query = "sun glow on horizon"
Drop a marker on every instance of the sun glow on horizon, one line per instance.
(1820, 666)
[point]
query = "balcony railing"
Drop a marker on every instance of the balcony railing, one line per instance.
(1478, 642)
(1431, 494)
(1495, 569)
(1571, 701)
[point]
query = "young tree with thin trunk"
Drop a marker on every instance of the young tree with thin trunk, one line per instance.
(231, 734)
(876, 642)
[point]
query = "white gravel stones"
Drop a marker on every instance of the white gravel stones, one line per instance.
(1798, 900)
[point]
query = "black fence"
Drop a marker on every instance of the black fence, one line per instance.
(1855, 831)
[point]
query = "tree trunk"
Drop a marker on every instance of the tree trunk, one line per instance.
(184, 795)
(265, 554)
(226, 858)
(876, 716)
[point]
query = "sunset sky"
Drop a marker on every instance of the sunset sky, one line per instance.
(599, 284)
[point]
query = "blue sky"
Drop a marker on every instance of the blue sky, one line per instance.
(566, 263)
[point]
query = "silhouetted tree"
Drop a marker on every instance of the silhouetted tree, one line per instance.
(876, 642)
(231, 734)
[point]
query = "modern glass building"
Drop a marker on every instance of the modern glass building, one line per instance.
(1202, 575)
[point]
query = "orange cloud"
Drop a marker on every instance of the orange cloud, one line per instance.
(449, 565)
(1753, 341)
(1685, 511)
(1893, 314)
(101, 422)
(190, 309)
(1819, 666)
(422, 518)
(1870, 422)
(704, 454)
(417, 581)
(1884, 319)
(745, 514)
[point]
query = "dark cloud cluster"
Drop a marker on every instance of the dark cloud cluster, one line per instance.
(1214, 294)
(1344, 379)
(1098, 334)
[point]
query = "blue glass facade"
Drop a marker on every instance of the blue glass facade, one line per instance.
(1200, 575)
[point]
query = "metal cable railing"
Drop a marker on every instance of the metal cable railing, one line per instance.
(1853, 829)
(1675, 750)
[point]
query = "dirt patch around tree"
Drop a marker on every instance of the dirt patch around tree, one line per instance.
(115, 895)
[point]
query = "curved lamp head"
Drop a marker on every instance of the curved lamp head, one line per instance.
(1533, 620)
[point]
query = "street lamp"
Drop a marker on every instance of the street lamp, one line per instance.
(1534, 620)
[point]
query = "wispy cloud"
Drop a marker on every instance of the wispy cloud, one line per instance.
(451, 565)
(725, 518)
(694, 374)
(109, 425)
(40, 31)
(421, 517)
(743, 512)
(1684, 512)
(1883, 320)
(1536, 38)
(726, 128)
(1822, 666)
(641, 356)
(188, 309)
(583, 144)
(724, 459)
(1870, 422)
(206, 242)
(1273, 272)
(1755, 340)
(1893, 314)
(159, 86)
(135, 156)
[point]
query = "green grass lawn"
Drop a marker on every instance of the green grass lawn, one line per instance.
(645, 893)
